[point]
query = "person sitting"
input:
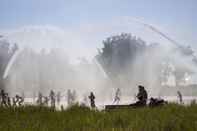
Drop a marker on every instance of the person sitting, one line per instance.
(141, 96)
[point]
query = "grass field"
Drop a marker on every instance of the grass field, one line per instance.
(171, 117)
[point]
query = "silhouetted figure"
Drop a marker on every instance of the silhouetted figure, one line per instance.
(0, 97)
(14, 102)
(141, 96)
(52, 98)
(92, 102)
(6, 99)
(69, 97)
(39, 100)
(62, 107)
(46, 101)
(180, 97)
(3, 98)
(19, 100)
(117, 96)
(58, 97)
(9, 101)
(23, 96)
(34, 97)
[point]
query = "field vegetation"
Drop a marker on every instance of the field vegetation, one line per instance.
(171, 117)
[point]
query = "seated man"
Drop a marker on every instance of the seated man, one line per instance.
(141, 96)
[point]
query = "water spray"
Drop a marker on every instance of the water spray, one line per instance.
(156, 30)
(101, 68)
(10, 63)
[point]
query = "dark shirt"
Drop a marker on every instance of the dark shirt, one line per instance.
(142, 95)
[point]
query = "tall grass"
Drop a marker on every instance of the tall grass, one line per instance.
(171, 117)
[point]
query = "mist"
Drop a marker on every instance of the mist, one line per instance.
(54, 59)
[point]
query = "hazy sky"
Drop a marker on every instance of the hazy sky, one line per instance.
(177, 17)
(16, 13)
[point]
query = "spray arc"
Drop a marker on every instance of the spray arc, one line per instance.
(184, 50)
